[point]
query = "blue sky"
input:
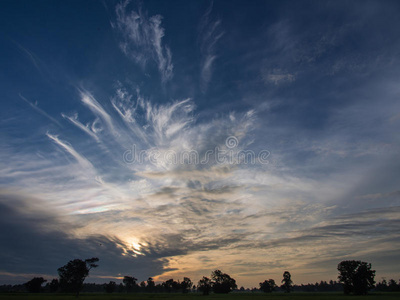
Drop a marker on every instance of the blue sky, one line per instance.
(311, 85)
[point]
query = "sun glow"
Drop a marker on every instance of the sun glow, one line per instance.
(133, 245)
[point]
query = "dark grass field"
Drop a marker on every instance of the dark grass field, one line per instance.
(235, 296)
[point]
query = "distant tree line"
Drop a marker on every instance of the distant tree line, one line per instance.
(355, 277)
(388, 286)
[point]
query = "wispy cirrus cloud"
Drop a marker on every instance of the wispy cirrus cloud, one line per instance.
(182, 195)
(31, 56)
(40, 111)
(209, 34)
(143, 39)
(97, 109)
(83, 162)
(85, 128)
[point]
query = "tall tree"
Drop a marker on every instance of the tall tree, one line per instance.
(204, 285)
(169, 285)
(74, 273)
(186, 284)
(268, 286)
(35, 285)
(287, 282)
(356, 276)
(130, 283)
(150, 285)
(222, 283)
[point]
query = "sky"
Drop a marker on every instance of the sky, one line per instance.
(173, 138)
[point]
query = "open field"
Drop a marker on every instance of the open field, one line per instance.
(237, 296)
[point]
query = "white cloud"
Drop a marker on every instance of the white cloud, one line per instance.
(97, 109)
(210, 34)
(83, 162)
(87, 129)
(142, 39)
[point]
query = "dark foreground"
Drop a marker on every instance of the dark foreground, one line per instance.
(235, 296)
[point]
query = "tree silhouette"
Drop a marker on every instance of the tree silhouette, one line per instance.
(393, 286)
(130, 283)
(356, 276)
(222, 283)
(150, 285)
(35, 285)
(53, 285)
(186, 284)
(171, 286)
(73, 274)
(268, 286)
(176, 286)
(168, 285)
(143, 285)
(287, 282)
(204, 285)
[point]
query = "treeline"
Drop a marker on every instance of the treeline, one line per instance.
(143, 287)
(385, 286)
(355, 277)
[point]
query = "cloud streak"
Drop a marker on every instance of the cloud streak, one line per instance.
(97, 109)
(210, 34)
(86, 129)
(142, 39)
(83, 162)
(40, 111)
